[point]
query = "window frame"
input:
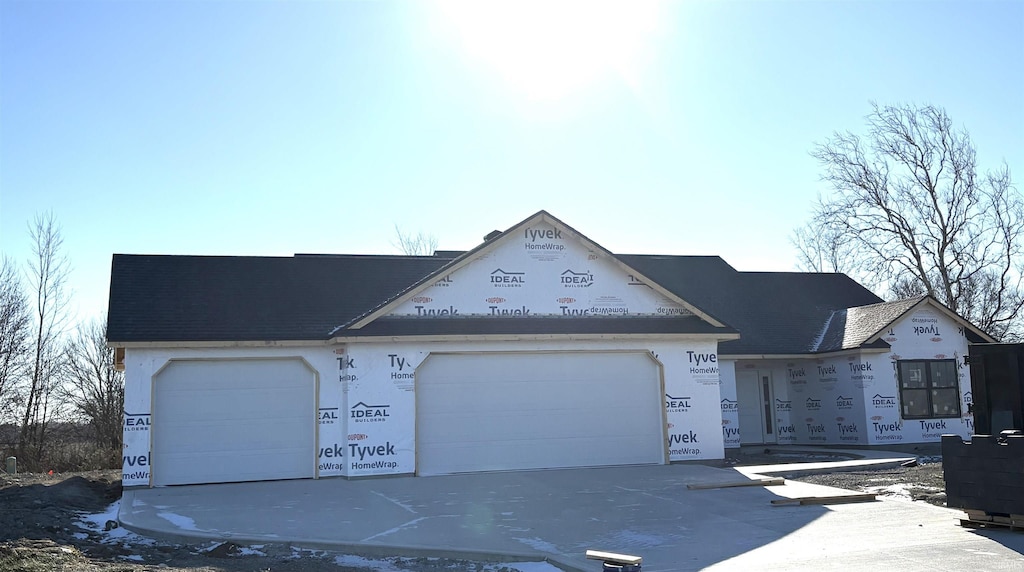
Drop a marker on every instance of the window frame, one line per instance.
(928, 388)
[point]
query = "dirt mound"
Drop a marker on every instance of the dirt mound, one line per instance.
(37, 555)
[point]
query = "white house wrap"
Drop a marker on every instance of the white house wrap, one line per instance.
(538, 349)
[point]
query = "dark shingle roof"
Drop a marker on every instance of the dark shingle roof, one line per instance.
(775, 312)
(219, 298)
(851, 328)
(214, 298)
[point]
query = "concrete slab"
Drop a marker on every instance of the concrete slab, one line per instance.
(557, 515)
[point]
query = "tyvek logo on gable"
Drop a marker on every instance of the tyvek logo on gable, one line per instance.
(539, 270)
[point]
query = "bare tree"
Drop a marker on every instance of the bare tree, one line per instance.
(414, 245)
(14, 335)
(910, 205)
(48, 271)
(94, 388)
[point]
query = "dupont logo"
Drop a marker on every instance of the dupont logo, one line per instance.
(936, 339)
(781, 405)
(884, 401)
(421, 299)
(505, 279)
(565, 300)
(357, 436)
(844, 402)
(136, 421)
(677, 404)
(363, 413)
(940, 356)
(812, 404)
(494, 300)
(729, 405)
(573, 279)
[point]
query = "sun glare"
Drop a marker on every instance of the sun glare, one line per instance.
(550, 49)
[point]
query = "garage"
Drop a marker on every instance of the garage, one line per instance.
(233, 420)
(497, 411)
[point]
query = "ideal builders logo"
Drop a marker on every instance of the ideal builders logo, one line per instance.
(327, 415)
(572, 279)
(677, 404)
(505, 279)
(884, 401)
(363, 413)
(136, 421)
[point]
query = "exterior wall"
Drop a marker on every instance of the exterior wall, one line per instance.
(925, 334)
(142, 364)
(541, 272)
(854, 399)
(367, 403)
(380, 394)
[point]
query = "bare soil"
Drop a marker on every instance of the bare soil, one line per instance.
(41, 526)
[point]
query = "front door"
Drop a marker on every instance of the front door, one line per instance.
(754, 394)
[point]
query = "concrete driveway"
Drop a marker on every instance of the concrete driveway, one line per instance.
(558, 514)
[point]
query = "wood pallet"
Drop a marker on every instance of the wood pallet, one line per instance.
(982, 519)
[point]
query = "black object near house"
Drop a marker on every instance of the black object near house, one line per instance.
(986, 474)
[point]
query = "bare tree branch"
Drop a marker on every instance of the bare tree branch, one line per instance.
(414, 245)
(909, 206)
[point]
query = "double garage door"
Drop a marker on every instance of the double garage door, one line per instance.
(217, 421)
(508, 411)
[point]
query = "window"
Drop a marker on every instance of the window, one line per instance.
(929, 389)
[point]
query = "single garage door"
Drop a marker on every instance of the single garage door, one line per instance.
(508, 411)
(218, 421)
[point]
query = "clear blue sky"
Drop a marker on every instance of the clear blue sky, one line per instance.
(270, 128)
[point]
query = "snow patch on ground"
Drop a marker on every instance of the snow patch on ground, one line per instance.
(182, 522)
(899, 491)
(254, 550)
(97, 522)
(539, 544)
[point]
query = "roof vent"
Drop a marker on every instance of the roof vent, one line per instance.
(491, 235)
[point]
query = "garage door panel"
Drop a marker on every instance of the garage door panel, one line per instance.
(507, 425)
(533, 396)
(234, 420)
(469, 457)
(538, 410)
(243, 403)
